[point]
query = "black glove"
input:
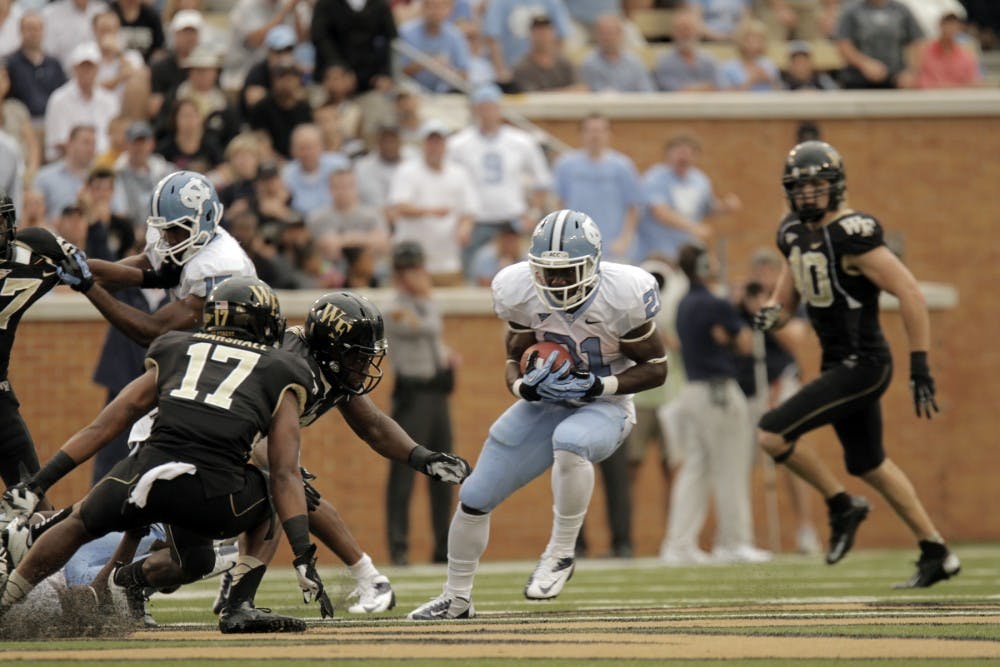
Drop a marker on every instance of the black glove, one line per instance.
(766, 318)
(73, 271)
(922, 385)
(165, 277)
(440, 466)
(310, 582)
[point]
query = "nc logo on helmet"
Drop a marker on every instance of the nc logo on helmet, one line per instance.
(194, 194)
(591, 232)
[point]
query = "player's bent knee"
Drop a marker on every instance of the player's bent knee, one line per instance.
(477, 497)
(565, 460)
(775, 446)
(196, 563)
(861, 465)
(470, 510)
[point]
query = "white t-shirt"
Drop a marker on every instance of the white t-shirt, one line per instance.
(67, 108)
(417, 184)
(501, 165)
(625, 297)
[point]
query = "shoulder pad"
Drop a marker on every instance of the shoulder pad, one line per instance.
(42, 242)
(513, 291)
(856, 234)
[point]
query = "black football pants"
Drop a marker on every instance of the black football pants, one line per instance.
(16, 446)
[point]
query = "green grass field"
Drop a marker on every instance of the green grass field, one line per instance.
(795, 610)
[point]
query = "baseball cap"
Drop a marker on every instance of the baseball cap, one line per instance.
(280, 37)
(489, 92)
(187, 18)
(88, 52)
(799, 47)
(433, 127)
(140, 129)
(407, 255)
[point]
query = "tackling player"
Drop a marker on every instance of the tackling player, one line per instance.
(838, 264)
(603, 314)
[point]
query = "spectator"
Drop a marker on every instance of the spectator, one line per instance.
(434, 202)
(946, 63)
(481, 70)
(138, 171)
(508, 171)
(33, 211)
(544, 67)
(34, 74)
(307, 176)
(271, 202)
(713, 425)
(358, 39)
(60, 181)
(270, 265)
(80, 101)
(506, 248)
(236, 176)
(686, 67)
(251, 20)
(507, 23)
(879, 40)
(68, 24)
(587, 12)
(602, 183)
(802, 73)
(166, 73)
(15, 120)
(929, 13)
(347, 232)
(799, 19)
(121, 72)
(608, 66)
(721, 18)
(10, 20)
(409, 120)
(752, 69)
(376, 170)
(280, 43)
(201, 86)
(679, 197)
(186, 144)
(338, 88)
(141, 27)
(110, 237)
(282, 109)
(11, 168)
(116, 142)
(424, 370)
(438, 39)
(71, 225)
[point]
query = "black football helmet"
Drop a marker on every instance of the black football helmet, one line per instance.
(244, 308)
(346, 337)
(8, 225)
(808, 162)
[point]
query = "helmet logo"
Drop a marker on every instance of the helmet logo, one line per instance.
(265, 297)
(336, 319)
(591, 233)
(194, 194)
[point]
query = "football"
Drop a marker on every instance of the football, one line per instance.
(539, 352)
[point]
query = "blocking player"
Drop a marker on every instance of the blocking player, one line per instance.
(603, 314)
(838, 264)
(215, 390)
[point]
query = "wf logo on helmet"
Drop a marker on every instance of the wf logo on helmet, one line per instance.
(337, 319)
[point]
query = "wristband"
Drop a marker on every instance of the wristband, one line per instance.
(610, 385)
(521, 391)
(418, 458)
(297, 532)
(149, 279)
(58, 467)
(918, 363)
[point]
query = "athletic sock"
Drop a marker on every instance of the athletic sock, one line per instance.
(572, 486)
(933, 549)
(247, 575)
(467, 540)
(17, 589)
(838, 502)
(363, 569)
(132, 576)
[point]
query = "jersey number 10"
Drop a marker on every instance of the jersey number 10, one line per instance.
(222, 397)
(810, 271)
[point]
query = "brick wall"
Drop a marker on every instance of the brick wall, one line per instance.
(932, 180)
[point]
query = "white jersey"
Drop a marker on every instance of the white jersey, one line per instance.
(501, 165)
(221, 258)
(624, 299)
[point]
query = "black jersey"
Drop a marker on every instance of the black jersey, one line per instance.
(842, 303)
(216, 397)
(24, 278)
(327, 397)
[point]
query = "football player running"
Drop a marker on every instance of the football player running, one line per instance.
(838, 264)
(343, 341)
(192, 473)
(603, 314)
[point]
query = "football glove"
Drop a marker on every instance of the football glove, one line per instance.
(535, 377)
(312, 494)
(922, 385)
(575, 386)
(20, 500)
(440, 466)
(766, 318)
(73, 271)
(310, 582)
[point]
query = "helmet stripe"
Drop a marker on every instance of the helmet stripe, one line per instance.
(557, 230)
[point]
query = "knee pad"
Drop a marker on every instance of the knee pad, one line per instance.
(565, 461)
(197, 562)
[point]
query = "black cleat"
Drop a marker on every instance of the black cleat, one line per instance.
(938, 565)
(843, 526)
(246, 619)
(135, 600)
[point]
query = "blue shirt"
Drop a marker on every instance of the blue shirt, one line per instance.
(697, 313)
(690, 195)
(311, 192)
(587, 11)
(722, 16)
(672, 72)
(626, 75)
(509, 22)
(59, 186)
(732, 74)
(33, 85)
(603, 189)
(448, 42)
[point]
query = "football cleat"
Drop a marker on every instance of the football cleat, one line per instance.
(445, 607)
(133, 600)
(843, 526)
(17, 539)
(681, 557)
(244, 618)
(932, 568)
(222, 597)
(549, 577)
(374, 595)
(742, 554)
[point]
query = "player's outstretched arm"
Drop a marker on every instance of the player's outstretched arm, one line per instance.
(781, 306)
(134, 271)
(142, 327)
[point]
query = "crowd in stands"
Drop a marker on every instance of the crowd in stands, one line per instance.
(310, 122)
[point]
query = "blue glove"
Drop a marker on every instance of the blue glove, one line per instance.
(73, 271)
(533, 378)
(572, 387)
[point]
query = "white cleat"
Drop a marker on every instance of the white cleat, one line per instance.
(743, 554)
(17, 539)
(680, 557)
(549, 577)
(445, 607)
(374, 595)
